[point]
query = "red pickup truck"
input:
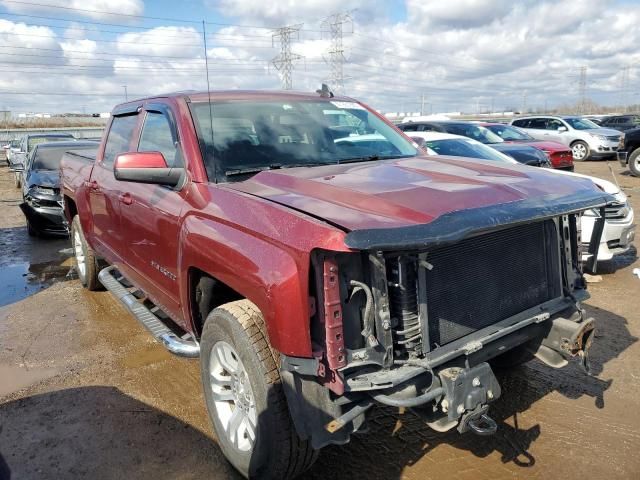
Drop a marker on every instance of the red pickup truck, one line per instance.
(318, 265)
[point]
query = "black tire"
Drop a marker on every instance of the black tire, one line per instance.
(580, 146)
(277, 452)
(89, 275)
(32, 232)
(634, 162)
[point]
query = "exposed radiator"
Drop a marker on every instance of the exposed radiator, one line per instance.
(486, 279)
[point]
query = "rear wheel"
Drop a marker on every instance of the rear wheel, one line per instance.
(634, 162)
(86, 261)
(244, 396)
(580, 151)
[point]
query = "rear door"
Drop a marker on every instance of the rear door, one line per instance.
(104, 190)
(537, 128)
(151, 214)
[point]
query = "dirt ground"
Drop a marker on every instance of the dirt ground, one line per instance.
(86, 393)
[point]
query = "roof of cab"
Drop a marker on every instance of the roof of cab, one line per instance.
(226, 95)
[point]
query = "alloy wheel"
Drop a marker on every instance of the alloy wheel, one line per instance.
(233, 397)
(579, 151)
(79, 251)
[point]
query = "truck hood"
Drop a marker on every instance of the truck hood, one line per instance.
(389, 194)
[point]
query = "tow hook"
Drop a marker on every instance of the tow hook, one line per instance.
(478, 421)
(483, 425)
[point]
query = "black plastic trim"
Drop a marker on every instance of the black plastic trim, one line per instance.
(455, 226)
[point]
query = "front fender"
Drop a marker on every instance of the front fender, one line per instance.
(277, 281)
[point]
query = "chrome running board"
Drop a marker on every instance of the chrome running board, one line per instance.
(176, 345)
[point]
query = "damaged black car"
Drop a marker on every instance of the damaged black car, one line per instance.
(42, 202)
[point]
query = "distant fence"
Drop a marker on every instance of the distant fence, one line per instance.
(77, 132)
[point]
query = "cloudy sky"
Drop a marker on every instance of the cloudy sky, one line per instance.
(457, 55)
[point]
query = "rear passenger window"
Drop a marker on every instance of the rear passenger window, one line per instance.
(520, 123)
(538, 123)
(157, 137)
(409, 128)
(119, 139)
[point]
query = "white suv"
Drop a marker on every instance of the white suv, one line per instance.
(586, 139)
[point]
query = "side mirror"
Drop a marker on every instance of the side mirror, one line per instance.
(562, 129)
(146, 167)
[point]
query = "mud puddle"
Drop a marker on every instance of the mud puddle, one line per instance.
(22, 279)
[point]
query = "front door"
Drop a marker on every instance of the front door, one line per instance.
(150, 216)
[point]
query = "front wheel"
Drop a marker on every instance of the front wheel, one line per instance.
(634, 163)
(580, 151)
(86, 260)
(244, 396)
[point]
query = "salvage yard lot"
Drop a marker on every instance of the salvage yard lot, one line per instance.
(86, 393)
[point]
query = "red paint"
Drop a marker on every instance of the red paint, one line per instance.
(334, 337)
(140, 160)
(560, 155)
(247, 235)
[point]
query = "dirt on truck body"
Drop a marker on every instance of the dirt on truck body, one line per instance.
(318, 270)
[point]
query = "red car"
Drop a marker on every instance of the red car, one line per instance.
(559, 155)
(318, 270)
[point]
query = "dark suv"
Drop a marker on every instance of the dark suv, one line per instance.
(622, 122)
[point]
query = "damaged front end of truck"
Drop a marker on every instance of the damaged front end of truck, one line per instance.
(414, 316)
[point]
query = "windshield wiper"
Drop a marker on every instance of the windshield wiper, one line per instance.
(370, 158)
(250, 170)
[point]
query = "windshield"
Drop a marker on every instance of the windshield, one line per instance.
(581, 123)
(33, 141)
(475, 132)
(49, 158)
(252, 136)
(462, 147)
(509, 133)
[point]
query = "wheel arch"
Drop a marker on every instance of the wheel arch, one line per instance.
(239, 265)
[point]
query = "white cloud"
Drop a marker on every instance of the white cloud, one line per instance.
(85, 7)
(282, 12)
(458, 14)
(170, 41)
(469, 54)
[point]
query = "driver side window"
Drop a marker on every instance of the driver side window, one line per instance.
(157, 137)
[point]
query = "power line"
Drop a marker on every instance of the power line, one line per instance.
(284, 62)
(235, 36)
(128, 15)
(104, 12)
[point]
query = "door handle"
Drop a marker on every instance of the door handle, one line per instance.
(125, 198)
